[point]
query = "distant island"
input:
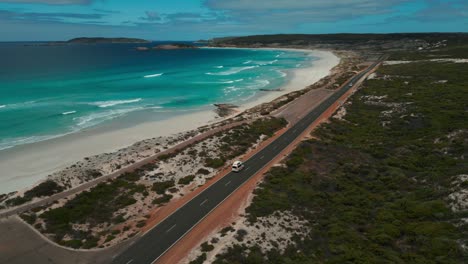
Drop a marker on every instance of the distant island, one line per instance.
(84, 40)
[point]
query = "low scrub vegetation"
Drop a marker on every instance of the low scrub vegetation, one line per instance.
(374, 186)
(161, 187)
(43, 189)
(92, 207)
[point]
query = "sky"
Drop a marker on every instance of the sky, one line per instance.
(43, 20)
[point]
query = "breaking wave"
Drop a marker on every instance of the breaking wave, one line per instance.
(104, 104)
(232, 71)
(153, 75)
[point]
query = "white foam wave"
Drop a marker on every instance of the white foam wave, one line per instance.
(104, 104)
(68, 113)
(247, 62)
(96, 118)
(11, 142)
(283, 74)
(153, 75)
(258, 84)
(232, 71)
(263, 63)
(2, 106)
(219, 67)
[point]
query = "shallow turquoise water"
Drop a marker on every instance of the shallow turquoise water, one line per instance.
(48, 91)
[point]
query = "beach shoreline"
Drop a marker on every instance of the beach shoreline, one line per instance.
(26, 165)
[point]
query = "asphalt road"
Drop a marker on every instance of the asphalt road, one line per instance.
(162, 237)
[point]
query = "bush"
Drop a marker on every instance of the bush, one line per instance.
(214, 163)
(241, 233)
(205, 247)
(186, 180)
(161, 187)
(163, 199)
(203, 171)
(199, 260)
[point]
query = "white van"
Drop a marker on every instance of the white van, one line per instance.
(237, 166)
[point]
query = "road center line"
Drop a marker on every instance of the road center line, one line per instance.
(206, 200)
(172, 227)
(262, 157)
(130, 261)
(227, 183)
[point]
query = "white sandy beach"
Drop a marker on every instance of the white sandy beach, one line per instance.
(25, 165)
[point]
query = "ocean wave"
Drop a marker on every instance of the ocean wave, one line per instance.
(258, 84)
(283, 74)
(68, 113)
(11, 142)
(263, 63)
(219, 67)
(19, 105)
(104, 104)
(247, 62)
(221, 82)
(153, 75)
(232, 71)
(96, 118)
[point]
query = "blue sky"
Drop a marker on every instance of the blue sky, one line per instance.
(204, 19)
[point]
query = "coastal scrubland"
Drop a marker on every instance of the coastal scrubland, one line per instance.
(117, 209)
(382, 182)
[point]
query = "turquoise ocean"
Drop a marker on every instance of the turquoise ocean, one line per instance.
(48, 91)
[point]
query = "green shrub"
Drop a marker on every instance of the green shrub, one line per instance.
(186, 180)
(163, 199)
(205, 247)
(214, 163)
(161, 187)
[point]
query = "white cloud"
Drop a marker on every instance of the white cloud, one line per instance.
(300, 11)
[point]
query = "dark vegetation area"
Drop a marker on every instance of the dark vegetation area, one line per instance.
(457, 38)
(96, 206)
(373, 42)
(241, 138)
(46, 188)
(161, 187)
(376, 193)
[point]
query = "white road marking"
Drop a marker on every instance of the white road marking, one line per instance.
(246, 169)
(275, 147)
(294, 131)
(130, 261)
(206, 200)
(172, 227)
(227, 183)
(262, 157)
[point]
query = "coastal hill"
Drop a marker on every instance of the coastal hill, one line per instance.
(84, 40)
(356, 42)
